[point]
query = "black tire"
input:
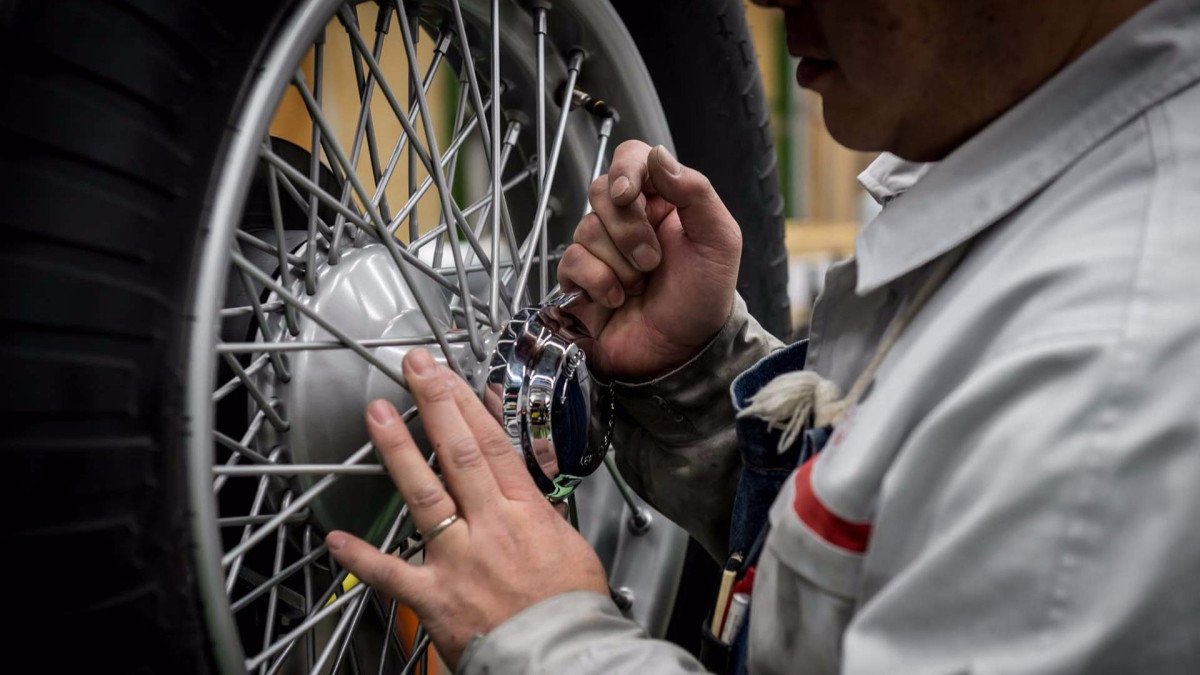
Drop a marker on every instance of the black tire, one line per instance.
(732, 145)
(114, 117)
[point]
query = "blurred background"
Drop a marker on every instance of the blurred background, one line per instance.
(823, 201)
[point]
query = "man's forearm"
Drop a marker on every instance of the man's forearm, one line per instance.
(674, 435)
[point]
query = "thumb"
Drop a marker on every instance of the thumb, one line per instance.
(387, 574)
(702, 213)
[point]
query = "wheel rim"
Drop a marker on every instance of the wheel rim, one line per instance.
(327, 318)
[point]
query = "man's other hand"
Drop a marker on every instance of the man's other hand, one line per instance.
(509, 548)
(658, 258)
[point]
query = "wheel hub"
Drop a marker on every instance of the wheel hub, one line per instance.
(329, 389)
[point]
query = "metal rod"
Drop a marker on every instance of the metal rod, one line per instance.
(539, 19)
(285, 272)
(639, 517)
(240, 449)
(235, 562)
(539, 218)
(254, 242)
(366, 87)
(273, 596)
(388, 241)
(228, 388)
(243, 310)
(380, 228)
(319, 345)
(260, 317)
(333, 330)
(300, 470)
(251, 431)
(241, 521)
(448, 207)
(310, 556)
(598, 164)
(314, 168)
(263, 404)
(302, 501)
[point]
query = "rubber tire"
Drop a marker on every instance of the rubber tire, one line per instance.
(113, 120)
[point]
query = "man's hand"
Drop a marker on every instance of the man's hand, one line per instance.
(659, 260)
(509, 549)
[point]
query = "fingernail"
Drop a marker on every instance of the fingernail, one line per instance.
(620, 187)
(645, 256)
(382, 412)
(669, 162)
(421, 363)
(614, 297)
(335, 541)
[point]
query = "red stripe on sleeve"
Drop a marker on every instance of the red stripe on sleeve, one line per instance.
(826, 524)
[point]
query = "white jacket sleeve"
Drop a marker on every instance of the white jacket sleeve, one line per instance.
(578, 633)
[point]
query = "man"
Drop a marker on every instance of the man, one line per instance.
(1010, 362)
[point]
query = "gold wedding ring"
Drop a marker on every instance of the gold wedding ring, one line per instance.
(438, 529)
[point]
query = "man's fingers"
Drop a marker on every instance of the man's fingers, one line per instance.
(579, 268)
(507, 465)
(428, 502)
(627, 225)
(702, 213)
(627, 172)
(468, 475)
(592, 235)
(389, 575)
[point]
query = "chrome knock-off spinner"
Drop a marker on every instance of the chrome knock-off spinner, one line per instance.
(540, 389)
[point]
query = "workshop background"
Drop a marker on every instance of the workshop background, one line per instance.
(823, 202)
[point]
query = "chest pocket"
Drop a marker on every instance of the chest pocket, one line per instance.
(807, 582)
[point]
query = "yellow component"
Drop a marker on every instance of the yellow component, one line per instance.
(349, 582)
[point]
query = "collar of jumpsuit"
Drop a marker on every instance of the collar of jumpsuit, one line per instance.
(1024, 465)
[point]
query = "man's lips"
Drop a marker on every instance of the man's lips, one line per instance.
(811, 70)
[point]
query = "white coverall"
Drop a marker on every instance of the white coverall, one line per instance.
(1027, 462)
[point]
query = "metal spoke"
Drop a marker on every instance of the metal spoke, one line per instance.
(280, 575)
(349, 620)
(260, 495)
(318, 345)
(246, 310)
(273, 596)
(389, 629)
(240, 449)
(448, 207)
(303, 500)
(260, 317)
(301, 470)
(314, 169)
(336, 332)
(639, 517)
(366, 89)
(251, 432)
(254, 242)
(389, 242)
(230, 385)
(540, 217)
(285, 272)
(263, 404)
(539, 20)
(606, 128)
(239, 521)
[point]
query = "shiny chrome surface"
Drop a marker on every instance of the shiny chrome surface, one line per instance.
(541, 391)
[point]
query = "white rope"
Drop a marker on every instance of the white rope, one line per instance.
(792, 400)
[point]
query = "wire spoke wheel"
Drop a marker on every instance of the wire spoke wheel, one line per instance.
(403, 176)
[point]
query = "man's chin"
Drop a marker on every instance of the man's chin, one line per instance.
(854, 126)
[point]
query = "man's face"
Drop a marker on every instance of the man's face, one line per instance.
(919, 77)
